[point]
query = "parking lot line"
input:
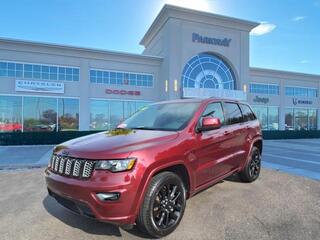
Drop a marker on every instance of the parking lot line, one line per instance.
(292, 170)
(292, 158)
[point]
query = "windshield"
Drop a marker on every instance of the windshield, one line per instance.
(166, 117)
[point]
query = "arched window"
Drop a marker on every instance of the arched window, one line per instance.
(208, 71)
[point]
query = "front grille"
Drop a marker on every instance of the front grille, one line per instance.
(71, 167)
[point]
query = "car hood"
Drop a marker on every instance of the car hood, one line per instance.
(116, 142)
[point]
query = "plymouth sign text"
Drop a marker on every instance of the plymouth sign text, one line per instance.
(225, 42)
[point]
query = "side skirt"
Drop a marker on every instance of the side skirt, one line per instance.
(212, 182)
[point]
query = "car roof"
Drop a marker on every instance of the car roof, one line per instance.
(198, 100)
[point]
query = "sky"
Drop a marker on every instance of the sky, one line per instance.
(288, 37)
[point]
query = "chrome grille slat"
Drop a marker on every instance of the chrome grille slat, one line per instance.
(67, 170)
(56, 164)
(76, 168)
(61, 165)
(87, 169)
(53, 160)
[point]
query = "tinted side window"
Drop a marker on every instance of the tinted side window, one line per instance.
(232, 113)
(248, 115)
(214, 110)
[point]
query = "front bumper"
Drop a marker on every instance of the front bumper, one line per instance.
(80, 195)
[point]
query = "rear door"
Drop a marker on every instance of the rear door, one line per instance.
(250, 125)
(235, 131)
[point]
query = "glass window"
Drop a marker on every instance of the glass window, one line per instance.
(232, 113)
(268, 117)
(68, 117)
(116, 113)
(248, 115)
(106, 77)
(3, 69)
(264, 88)
(163, 116)
(40, 114)
(289, 125)
(99, 115)
(301, 92)
(262, 115)
(207, 71)
(10, 114)
(273, 118)
(214, 110)
(93, 76)
(121, 78)
(113, 78)
(300, 119)
(69, 77)
(312, 115)
(129, 108)
(42, 72)
(99, 77)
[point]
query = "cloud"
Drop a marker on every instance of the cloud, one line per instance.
(298, 18)
(304, 61)
(262, 29)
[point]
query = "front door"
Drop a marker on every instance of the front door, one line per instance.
(210, 147)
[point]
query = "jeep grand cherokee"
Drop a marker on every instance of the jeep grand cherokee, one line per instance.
(143, 171)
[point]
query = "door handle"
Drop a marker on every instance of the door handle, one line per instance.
(226, 133)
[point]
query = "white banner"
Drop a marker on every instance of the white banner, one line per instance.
(39, 86)
(217, 93)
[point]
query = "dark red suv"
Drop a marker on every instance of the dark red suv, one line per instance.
(143, 171)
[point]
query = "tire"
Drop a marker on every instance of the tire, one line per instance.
(252, 169)
(162, 210)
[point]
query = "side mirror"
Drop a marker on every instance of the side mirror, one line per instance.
(210, 123)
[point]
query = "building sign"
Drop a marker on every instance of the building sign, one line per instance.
(297, 101)
(214, 92)
(263, 100)
(39, 86)
(123, 92)
(225, 42)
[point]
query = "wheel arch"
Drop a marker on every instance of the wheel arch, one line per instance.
(256, 142)
(178, 167)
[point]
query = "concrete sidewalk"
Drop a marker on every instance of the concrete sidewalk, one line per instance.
(24, 156)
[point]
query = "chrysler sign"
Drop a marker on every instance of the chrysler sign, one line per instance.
(39, 86)
(123, 92)
(225, 42)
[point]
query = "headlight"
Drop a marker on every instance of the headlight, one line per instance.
(116, 165)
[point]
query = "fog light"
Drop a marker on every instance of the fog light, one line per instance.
(108, 196)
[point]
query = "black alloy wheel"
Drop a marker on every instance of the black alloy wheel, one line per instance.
(252, 170)
(167, 206)
(255, 165)
(163, 206)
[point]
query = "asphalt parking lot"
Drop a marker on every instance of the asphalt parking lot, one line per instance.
(277, 206)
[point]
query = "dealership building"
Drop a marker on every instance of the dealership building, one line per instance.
(188, 54)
